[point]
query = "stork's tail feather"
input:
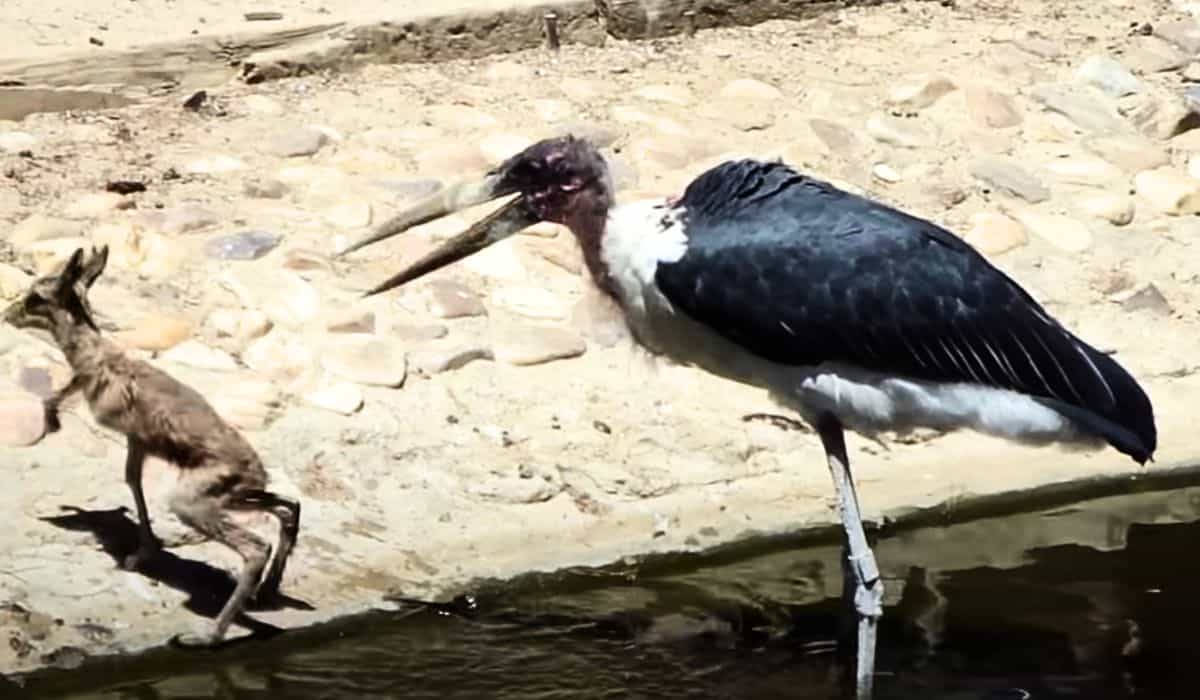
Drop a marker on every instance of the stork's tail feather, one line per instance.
(1117, 408)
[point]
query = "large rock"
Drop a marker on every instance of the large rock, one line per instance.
(1007, 176)
(366, 359)
(22, 420)
(1169, 191)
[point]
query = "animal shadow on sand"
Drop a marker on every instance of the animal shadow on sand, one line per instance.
(206, 586)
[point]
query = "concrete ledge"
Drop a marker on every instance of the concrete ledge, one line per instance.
(644, 19)
(419, 35)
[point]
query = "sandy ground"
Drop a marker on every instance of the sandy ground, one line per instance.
(527, 434)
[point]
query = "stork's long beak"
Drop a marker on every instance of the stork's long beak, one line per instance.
(500, 224)
(445, 201)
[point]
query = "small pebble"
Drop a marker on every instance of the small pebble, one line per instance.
(247, 245)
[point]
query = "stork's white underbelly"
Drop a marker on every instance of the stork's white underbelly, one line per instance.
(643, 235)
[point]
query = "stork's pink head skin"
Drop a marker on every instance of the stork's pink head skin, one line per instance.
(562, 180)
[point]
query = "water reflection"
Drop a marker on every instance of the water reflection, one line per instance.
(1094, 600)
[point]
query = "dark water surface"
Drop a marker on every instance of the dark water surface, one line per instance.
(1097, 599)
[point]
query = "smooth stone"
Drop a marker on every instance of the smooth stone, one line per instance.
(992, 233)
(365, 161)
(17, 141)
(246, 245)
(22, 420)
(40, 227)
(562, 252)
(750, 89)
(37, 381)
(1169, 191)
(303, 259)
(448, 299)
(546, 229)
(1117, 209)
(1191, 72)
(498, 262)
(1060, 231)
(1130, 153)
(415, 333)
(531, 302)
(13, 281)
(672, 94)
(430, 361)
(350, 214)
(992, 109)
(193, 353)
(340, 397)
(838, 138)
(264, 188)
(1159, 116)
(1085, 106)
(351, 321)
(156, 333)
(1108, 75)
(287, 298)
(1147, 297)
(282, 357)
(885, 173)
(918, 92)
(247, 402)
(243, 325)
(1149, 54)
(93, 205)
(1038, 46)
(216, 164)
(524, 345)
(294, 143)
(185, 218)
(1184, 33)
(898, 132)
(1084, 170)
(366, 359)
(1007, 176)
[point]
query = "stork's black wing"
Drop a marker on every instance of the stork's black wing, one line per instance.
(801, 272)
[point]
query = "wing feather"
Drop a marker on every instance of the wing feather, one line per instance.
(802, 273)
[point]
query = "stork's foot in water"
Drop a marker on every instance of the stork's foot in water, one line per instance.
(861, 570)
(868, 607)
(192, 641)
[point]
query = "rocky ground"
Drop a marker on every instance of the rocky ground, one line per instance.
(493, 418)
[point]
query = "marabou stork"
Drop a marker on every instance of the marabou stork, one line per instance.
(854, 314)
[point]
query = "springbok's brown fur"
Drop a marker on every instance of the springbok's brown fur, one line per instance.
(220, 473)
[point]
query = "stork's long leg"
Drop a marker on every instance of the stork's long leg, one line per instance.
(868, 588)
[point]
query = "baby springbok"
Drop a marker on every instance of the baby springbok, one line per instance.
(219, 471)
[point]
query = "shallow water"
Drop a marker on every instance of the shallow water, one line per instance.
(1092, 600)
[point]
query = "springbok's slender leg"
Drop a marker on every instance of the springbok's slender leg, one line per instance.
(148, 545)
(868, 588)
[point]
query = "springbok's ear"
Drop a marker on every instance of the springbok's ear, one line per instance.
(71, 271)
(94, 266)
